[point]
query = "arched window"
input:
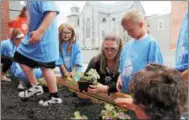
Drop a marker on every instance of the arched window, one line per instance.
(103, 20)
(88, 28)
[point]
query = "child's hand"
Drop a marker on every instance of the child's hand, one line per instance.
(126, 103)
(98, 88)
(119, 84)
(35, 37)
(66, 74)
(72, 74)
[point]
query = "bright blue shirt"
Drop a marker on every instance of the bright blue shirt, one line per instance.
(182, 46)
(8, 48)
(72, 58)
(135, 56)
(17, 71)
(66, 57)
(47, 49)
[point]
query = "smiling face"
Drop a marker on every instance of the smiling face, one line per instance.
(110, 49)
(66, 34)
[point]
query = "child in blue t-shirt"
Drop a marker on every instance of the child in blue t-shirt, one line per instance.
(8, 48)
(182, 49)
(137, 53)
(70, 59)
(40, 49)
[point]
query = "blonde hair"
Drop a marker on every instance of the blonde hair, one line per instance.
(134, 15)
(72, 39)
(15, 33)
(102, 57)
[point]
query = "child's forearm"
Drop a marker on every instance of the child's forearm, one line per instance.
(185, 75)
(63, 68)
(49, 17)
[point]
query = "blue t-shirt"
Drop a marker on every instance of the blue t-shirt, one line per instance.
(70, 59)
(8, 48)
(47, 49)
(17, 71)
(135, 56)
(182, 46)
(66, 56)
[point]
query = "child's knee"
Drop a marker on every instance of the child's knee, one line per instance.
(26, 68)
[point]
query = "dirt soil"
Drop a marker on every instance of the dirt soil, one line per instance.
(12, 107)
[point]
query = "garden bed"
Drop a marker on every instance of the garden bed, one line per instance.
(13, 108)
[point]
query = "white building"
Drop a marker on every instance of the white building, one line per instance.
(97, 19)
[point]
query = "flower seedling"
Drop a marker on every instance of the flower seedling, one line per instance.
(90, 78)
(78, 116)
(111, 113)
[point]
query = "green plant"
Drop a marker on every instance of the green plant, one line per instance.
(111, 112)
(60, 87)
(91, 76)
(77, 116)
(72, 81)
(41, 81)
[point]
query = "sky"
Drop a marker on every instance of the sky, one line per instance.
(150, 7)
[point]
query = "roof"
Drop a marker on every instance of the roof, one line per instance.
(109, 7)
(157, 15)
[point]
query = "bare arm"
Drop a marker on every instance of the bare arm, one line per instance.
(64, 70)
(35, 36)
(49, 17)
(185, 75)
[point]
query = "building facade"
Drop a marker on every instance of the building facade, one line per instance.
(159, 26)
(4, 18)
(97, 19)
(178, 10)
(9, 10)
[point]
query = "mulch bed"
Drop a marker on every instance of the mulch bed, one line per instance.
(12, 107)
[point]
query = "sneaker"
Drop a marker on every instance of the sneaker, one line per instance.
(51, 100)
(21, 87)
(34, 90)
(5, 79)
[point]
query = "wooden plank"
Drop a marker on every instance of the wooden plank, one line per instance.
(94, 97)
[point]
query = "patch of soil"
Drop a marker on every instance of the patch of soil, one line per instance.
(12, 107)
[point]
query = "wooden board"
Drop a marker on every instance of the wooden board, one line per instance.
(94, 97)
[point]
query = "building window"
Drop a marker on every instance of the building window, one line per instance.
(88, 28)
(103, 20)
(160, 25)
(113, 19)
